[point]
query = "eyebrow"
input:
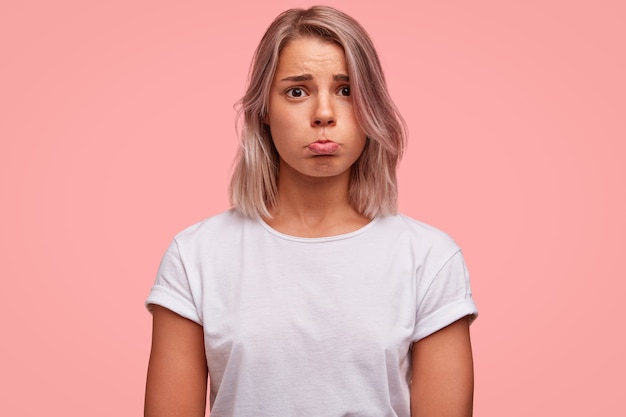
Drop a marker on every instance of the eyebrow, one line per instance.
(308, 77)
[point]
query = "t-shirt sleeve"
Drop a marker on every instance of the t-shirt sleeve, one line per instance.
(445, 298)
(172, 289)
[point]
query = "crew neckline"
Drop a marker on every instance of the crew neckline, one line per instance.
(322, 239)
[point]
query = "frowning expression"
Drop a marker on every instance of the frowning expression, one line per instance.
(311, 115)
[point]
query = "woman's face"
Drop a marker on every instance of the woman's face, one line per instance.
(311, 115)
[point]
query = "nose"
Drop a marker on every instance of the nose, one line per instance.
(324, 114)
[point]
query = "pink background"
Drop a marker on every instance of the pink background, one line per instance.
(117, 130)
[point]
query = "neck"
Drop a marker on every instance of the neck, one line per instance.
(315, 207)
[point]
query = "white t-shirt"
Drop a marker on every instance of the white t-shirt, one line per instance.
(312, 326)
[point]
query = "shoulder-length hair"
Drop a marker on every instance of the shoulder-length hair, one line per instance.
(373, 189)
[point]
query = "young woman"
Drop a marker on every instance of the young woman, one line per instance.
(312, 296)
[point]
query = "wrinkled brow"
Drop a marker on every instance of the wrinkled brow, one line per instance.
(303, 77)
(308, 77)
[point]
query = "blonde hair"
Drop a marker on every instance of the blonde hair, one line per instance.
(373, 189)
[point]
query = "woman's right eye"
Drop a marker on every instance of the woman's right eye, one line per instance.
(296, 92)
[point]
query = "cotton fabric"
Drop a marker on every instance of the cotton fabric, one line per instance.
(312, 326)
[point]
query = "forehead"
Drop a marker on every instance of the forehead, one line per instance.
(310, 55)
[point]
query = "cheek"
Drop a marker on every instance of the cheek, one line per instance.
(280, 118)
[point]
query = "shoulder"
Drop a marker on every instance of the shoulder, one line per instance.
(423, 236)
(215, 228)
(224, 220)
(427, 248)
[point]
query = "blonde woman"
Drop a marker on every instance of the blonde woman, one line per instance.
(313, 296)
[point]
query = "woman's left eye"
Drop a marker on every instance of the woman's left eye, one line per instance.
(344, 91)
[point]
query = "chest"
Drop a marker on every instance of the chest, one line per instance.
(270, 300)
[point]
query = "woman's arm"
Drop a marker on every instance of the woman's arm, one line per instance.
(177, 371)
(443, 373)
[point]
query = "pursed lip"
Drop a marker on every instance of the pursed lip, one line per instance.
(323, 147)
